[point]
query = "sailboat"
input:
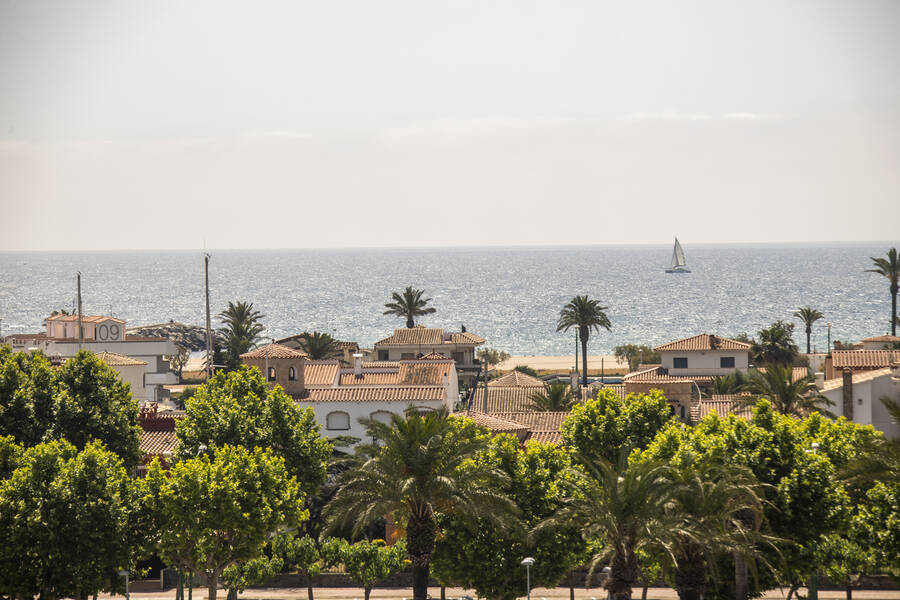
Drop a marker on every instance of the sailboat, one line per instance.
(678, 264)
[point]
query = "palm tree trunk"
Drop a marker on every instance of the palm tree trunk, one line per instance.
(849, 593)
(419, 546)
(584, 341)
(420, 582)
(741, 587)
(808, 335)
(409, 322)
(894, 290)
(622, 575)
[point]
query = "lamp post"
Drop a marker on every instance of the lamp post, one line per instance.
(528, 561)
(813, 591)
(124, 573)
(829, 338)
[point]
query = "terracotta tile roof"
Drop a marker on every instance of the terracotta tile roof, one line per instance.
(351, 346)
(858, 377)
(545, 437)
(723, 405)
(381, 364)
(428, 336)
(84, 318)
(118, 360)
(429, 372)
(516, 379)
(536, 421)
(889, 339)
(434, 356)
(320, 372)
(370, 378)
(466, 337)
(797, 373)
(864, 359)
(618, 388)
(493, 422)
(704, 341)
(274, 351)
(653, 375)
(503, 399)
(377, 394)
(158, 443)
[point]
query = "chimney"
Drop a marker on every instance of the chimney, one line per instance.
(820, 380)
(847, 390)
(357, 364)
(448, 393)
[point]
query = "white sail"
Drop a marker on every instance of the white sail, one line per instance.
(677, 256)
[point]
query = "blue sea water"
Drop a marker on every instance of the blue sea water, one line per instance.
(511, 296)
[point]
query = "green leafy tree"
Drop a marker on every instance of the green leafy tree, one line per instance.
(409, 305)
(239, 408)
(622, 505)
(809, 316)
(319, 346)
(179, 359)
(889, 268)
(878, 521)
(92, 403)
(217, 512)
(845, 560)
(557, 397)
(419, 472)
(66, 521)
(256, 571)
(240, 332)
(776, 345)
(636, 354)
(26, 395)
(587, 315)
(526, 369)
(608, 425)
(370, 562)
(535, 477)
(307, 556)
(492, 356)
(796, 398)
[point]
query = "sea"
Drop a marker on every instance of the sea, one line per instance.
(511, 296)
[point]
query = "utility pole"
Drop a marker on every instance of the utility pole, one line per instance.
(485, 359)
(80, 326)
(209, 342)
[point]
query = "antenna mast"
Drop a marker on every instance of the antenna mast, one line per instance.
(80, 326)
(209, 344)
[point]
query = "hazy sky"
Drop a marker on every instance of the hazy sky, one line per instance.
(293, 124)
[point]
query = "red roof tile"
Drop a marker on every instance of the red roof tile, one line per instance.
(865, 359)
(704, 341)
(274, 351)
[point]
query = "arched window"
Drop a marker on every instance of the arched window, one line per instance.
(271, 373)
(292, 374)
(337, 420)
(682, 411)
(382, 416)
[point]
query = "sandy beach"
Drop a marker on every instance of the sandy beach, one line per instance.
(562, 364)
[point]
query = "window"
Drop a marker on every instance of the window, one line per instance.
(382, 355)
(459, 357)
(679, 362)
(408, 356)
(726, 362)
(271, 373)
(682, 412)
(337, 420)
(382, 416)
(292, 374)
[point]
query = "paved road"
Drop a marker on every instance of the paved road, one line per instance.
(144, 591)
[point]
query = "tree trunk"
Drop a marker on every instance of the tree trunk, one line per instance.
(584, 340)
(571, 591)
(420, 582)
(367, 591)
(690, 578)
(808, 335)
(849, 592)
(232, 594)
(622, 575)
(309, 590)
(419, 546)
(443, 592)
(894, 290)
(643, 593)
(410, 323)
(741, 586)
(212, 585)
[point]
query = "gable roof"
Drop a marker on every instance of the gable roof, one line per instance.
(723, 405)
(859, 377)
(541, 427)
(704, 342)
(320, 372)
(375, 394)
(493, 422)
(503, 399)
(428, 336)
(84, 318)
(119, 360)
(889, 339)
(864, 359)
(274, 351)
(516, 379)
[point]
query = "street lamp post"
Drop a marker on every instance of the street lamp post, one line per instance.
(829, 338)
(813, 591)
(124, 573)
(528, 561)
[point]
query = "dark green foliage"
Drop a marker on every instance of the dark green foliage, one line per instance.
(636, 354)
(775, 345)
(409, 305)
(319, 346)
(535, 477)
(586, 315)
(26, 395)
(890, 269)
(557, 397)
(238, 408)
(608, 426)
(241, 331)
(68, 521)
(526, 369)
(798, 398)
(808, 316)
(370, 562)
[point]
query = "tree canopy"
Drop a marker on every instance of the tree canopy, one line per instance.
(409, 305)
(240, 331)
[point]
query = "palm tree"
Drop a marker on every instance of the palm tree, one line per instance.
(795, 398)
(624, 508)
(715, 512)
(890, 268)
(808, 316)
(586, 315)
(409, 305)
(319, 346)
(241, 330)
(416, 474)
(730, 384)
(555, 398)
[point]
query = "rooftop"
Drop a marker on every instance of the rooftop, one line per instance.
(503, 399)
(274, 351)
(516, 379)
(429, 336)
(118, 360)
(864, 359)
(861, 377)
(704, 342)
(888, 339)
(84, 318)
(375, 394)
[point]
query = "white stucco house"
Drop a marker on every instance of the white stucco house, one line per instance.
(415, 342)
(104, 334)
(857, 396)
(704, 355)
(341, 397)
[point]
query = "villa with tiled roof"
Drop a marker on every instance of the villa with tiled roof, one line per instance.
(417, 342)
(516, 379)
(341, 396)
(528, 426)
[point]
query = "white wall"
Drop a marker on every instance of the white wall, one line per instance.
(358, 410)
(867, 406)
(705, 363)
